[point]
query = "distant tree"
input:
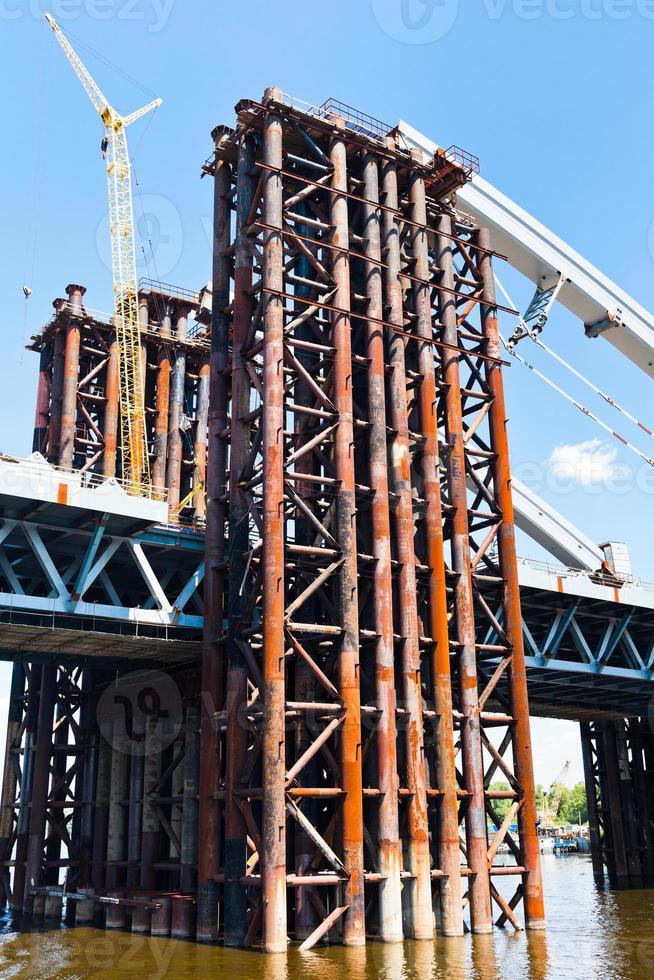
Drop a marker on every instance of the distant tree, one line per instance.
(574, 805)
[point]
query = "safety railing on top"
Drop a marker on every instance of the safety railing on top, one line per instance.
(570, 572)
(85, 480)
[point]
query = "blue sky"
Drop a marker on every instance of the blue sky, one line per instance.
(550, 94)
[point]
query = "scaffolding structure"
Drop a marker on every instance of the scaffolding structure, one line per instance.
(78, 400)
(359, 476)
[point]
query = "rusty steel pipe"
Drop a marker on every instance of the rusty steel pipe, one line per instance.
(10, 773)
(522, 752)
(42, 412)
(274, 751)
(26, 782)
(473, 767)
(214, 553)
(448, 852)
(354, 927)
(40, 786)
(389, 843)
(417, 890)
(177, 411)
(56, 394)
(200, 443)
(70, 378)
(237, 675)
(162, 406)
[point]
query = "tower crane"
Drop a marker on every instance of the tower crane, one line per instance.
(135, 457)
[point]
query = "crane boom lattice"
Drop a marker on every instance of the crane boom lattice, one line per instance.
(135, 454)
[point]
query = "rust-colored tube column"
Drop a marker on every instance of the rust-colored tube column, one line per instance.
(10, 773)
(40, 785)
(451, 918)
(26, 785)
(389, 843)
(417, 893)
(354, 927)
(111, 411)
(42, 413)
(473, 767)
(214, 552)
(274, 750)
(57, 391)
(235, 831)
(177, 392)
(200, 444)
(162, 406)
(71, 377)
(522, 754)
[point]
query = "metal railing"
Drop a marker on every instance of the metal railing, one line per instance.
(42, 469)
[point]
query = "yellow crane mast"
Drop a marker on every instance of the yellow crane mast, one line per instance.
(135, 457)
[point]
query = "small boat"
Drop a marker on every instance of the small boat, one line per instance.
(546, 845)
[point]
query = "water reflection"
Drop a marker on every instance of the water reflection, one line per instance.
(591, 934)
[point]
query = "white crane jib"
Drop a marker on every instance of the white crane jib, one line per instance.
(135, 457)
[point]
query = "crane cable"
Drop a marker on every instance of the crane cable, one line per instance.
(564, 394)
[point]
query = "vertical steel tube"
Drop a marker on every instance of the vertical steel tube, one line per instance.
(26, 785)
(42, 413)
(611, 806)
(40, 786)
(189, 838)
(591, 800)
(212, 637)
(200, 445)
(389, 843)
(473, 767)
(354, 927)
(150, 827)
(111, 411)
(236, 755)
(521, 744)
(417, 894)
(134, 820)
(71, 377)
(451, 917)
(118, 803)
(274, 748)
(101, 817)
(177, 393)
(10, 774)
(57, 393)
(162, 405)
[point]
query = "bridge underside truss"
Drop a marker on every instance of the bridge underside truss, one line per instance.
(359, 399)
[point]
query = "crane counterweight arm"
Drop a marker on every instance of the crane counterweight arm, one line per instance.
(133, 116)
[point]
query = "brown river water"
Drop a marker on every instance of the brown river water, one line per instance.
(591, 934)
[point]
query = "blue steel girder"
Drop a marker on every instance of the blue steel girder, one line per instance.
(149, 580)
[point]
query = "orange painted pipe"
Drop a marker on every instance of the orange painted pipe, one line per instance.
(522, 751)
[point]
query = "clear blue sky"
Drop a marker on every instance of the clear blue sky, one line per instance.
(552, 95)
